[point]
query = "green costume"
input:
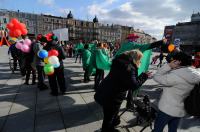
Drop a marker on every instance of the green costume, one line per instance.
(78, 47)
(86, 58)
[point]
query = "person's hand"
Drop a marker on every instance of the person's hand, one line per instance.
(149, 74)
(174, 64)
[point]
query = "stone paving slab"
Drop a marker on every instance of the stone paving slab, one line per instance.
(49, 122)
(20, 122)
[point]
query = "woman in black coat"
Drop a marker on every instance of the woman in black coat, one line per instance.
(112, 90)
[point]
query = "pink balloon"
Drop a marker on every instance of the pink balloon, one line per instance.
(25, 48)
(27, 42)
(18, 45)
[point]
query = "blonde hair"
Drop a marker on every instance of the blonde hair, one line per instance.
(136, 55)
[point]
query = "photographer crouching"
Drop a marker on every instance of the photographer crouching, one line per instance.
(112, 90)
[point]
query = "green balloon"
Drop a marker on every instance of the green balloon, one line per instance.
(48, 68)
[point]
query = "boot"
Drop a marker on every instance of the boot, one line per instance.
(33, 79)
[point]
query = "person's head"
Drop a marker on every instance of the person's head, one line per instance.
(185, 59)
(135, 56)
(86, 46)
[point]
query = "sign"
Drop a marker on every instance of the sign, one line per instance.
(177, 42)
(62, 34)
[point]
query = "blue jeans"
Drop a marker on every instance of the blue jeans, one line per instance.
(163, 119)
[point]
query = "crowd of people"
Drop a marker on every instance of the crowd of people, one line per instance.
(178, 76)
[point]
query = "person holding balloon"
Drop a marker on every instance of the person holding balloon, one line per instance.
(38, 60)
(28, 60)
(55, 68)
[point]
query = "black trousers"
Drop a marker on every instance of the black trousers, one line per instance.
(57, 77)
(86, 74)
(98, 77)
(41, 77)
(30, 70)
(15, 59)
(79, 55)
(110, 118)
(130, 99)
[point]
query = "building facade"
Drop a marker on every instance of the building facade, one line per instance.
(188, 33)
(78, 29)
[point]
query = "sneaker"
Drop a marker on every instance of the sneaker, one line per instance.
(26, 83)
(117, 121)
(33, 83)
(130, 107)
(54, 94)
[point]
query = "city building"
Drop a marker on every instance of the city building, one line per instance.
(186, 34)
(78, 29)
(110, 33)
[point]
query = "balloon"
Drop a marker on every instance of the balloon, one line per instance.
(48, 69)
(17, 33)
(10, 26)
(53, 60)
(25, 48)
(11, 34)
(22, 26)
(18, 45)
(42, 54)
(53, 52)
(15, 21)
(27, 42)
(46, 60)
(56, 65)
(171, 47)
(24, 31)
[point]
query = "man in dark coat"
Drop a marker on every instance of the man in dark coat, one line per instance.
(112, 90)
(58, 75)
(38, 62)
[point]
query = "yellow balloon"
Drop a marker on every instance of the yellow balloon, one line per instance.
(171, 47)
(46, 60)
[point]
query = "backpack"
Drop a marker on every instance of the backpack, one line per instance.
(192, 102)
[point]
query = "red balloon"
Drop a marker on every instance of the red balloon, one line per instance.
(17, 33)
(11, 34)
(53, 53)
(15, 21)
(24, 31)
(10, 26)
(21, 26)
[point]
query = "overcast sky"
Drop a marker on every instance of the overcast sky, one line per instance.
(148, 15)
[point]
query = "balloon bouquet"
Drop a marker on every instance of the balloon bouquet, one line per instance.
(51, 60)
(16, 30)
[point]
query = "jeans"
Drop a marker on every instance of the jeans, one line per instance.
(163, 119)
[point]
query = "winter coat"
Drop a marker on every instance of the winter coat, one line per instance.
(37, 61)
(177, 85)
(61, 53)
(122, 77)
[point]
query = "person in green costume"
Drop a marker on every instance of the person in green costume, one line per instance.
(79, 48)
(129, 44)
(99, 70)
(86, 61)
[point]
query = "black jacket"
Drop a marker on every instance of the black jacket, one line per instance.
(61, 53)
(122, 77)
